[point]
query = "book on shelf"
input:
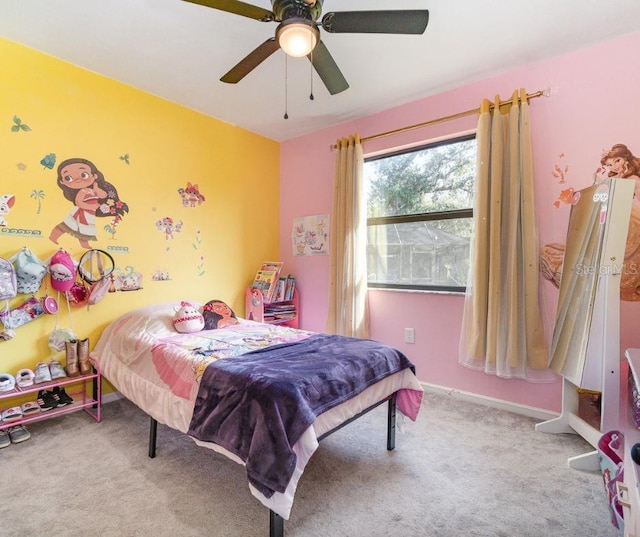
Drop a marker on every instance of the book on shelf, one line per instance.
(273, 265)
(284, 289)
(280, 289)
(279, 312)
(290, 286)
(284, 306)
(273, 286)
(265, 281)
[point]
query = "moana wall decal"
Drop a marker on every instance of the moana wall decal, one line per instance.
(92, 196)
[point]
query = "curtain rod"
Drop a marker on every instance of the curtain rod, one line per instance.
(540, 93)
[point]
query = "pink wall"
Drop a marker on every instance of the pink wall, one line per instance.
(594, 103)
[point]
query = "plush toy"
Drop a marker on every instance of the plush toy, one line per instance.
(188, 319)
(218, 315)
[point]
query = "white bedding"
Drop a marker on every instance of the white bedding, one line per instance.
(159, 370)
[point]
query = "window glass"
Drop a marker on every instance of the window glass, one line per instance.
(420, 210)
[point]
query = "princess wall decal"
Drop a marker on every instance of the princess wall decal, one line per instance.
(92, 196)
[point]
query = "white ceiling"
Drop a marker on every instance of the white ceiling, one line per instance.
(178, 51)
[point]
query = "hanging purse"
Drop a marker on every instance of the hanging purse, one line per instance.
(98, 275)
(26, 312)
(49, 304)
(60, 336)
(78, 295)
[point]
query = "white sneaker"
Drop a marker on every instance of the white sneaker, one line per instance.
(42, 373)
(56, 370)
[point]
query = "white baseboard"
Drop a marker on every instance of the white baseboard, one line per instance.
(525, 410)
(516, 408)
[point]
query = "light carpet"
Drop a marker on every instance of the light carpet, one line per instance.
(462, 470)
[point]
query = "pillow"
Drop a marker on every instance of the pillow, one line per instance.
(218, 315)
(187, 319)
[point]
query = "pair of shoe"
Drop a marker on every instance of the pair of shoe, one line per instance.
(25, 378)
(7, 382)
(30, 407)
(11, 414)
(48, 372)
(77, 353)
(57, 397)
(14, 435)
(16, 413)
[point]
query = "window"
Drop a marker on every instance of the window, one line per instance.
(420, 216)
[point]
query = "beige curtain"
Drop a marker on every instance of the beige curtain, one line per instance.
(502, 330)
(348, 311)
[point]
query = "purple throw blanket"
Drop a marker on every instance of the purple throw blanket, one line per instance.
(257, 405)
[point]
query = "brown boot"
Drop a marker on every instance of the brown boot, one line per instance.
(71, 349)
(83, 357)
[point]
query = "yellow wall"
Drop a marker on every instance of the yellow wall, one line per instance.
(75, 113)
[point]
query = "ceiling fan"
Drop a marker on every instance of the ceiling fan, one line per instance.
(298, 33)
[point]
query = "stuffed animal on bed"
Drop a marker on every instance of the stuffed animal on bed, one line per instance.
(218, 315)
(188, 319)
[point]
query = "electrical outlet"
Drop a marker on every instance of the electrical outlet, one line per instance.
(409, 335)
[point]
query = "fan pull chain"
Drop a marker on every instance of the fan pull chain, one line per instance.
(311, 75)
(286, 85)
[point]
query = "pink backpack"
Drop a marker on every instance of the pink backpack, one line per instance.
(95, 268)
(99, 290)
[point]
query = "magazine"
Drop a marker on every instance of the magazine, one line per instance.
(272, 265)
(266, 281)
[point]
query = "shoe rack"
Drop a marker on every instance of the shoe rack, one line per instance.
(86, 391)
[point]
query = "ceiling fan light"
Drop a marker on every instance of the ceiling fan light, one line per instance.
(297, 39)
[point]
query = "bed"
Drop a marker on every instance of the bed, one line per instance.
(282, 386)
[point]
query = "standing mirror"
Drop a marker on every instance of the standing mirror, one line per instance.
(590, 283)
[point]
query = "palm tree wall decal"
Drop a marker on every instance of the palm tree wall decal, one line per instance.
(38, 195)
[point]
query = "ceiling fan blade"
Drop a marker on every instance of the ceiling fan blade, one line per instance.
(402, 21)
(327, 69)
(239, 8)
(251, 61)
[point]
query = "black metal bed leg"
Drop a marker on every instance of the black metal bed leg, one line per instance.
(391, 423)
(276, 524)
(153, 433)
